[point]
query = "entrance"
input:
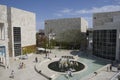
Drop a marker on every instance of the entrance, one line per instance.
(2, 54)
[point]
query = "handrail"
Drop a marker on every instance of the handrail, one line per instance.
(115, 76)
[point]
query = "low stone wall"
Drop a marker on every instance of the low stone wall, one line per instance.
(40, 72)
(50, 75)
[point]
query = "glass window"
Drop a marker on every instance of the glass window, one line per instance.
(2, 31)
(104, 41)
(17, 41)
(2, 50)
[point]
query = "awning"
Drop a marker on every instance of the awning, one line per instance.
(41, 49)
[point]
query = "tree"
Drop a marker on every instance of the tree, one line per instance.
(41, 40)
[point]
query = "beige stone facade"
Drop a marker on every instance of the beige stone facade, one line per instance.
(4, 36)
(58, 26)
(27, 22)
(17, 29)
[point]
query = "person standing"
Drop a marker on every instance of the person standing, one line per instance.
(45, 55)
(110, 67)
(118, 68)
(36, 59)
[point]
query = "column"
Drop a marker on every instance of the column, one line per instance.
(117, 45)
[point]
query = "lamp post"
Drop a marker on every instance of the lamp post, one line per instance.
(51, 37)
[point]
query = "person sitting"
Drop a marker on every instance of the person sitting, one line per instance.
(95, 73)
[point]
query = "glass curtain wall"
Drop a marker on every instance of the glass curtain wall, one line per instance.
(104, 43)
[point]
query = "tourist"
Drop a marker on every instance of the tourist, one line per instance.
(23, 65)
(95, 73)
(12, 74)
(45, 55)
(110, 67)
(70, 73)
(20, 65)
(36, 59)
(118, 68)
(67, 74)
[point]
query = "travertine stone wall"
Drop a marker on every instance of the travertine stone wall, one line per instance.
(4, 42)
(106, 20)
(12, 17)
(58, 26)
(27, 21)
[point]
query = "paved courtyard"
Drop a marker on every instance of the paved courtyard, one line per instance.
(29, 73)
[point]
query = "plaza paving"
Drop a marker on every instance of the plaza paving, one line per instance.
(29, 72)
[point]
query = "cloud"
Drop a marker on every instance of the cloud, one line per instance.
(86, 13)
(107, 8)
(58, 14)
(63, 12)
(66, 10)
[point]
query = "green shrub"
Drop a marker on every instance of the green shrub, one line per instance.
(29, 49)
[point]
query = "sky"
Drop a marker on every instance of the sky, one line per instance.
(55, 9)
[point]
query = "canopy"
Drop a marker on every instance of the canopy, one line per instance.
(41, 49)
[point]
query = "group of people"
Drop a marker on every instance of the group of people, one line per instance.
(21, 65)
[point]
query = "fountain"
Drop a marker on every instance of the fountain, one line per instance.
(66, 63)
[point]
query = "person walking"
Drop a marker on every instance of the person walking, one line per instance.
(19, 66)
(118, 68)
(110, 67)
(12, 74)
(46, 55)
(36, 59)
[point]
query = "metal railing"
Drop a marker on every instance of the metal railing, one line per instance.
(115, 77)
